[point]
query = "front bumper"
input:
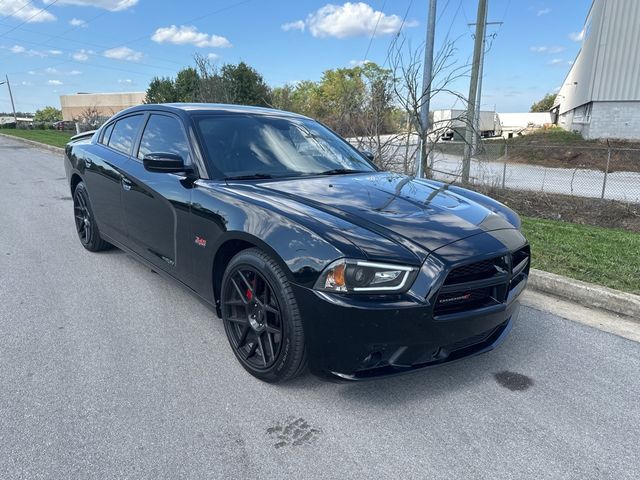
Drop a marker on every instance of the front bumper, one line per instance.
(358, 342)
(352, 337)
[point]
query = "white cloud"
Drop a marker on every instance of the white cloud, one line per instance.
(25, 11)
(55, 52)
(213, 56)
(26, 83)
(351, 20)
(556, 61)
(55, 71)
(544, 11)
(18, 49)
(125, 81)
(77, 22)
(188, 34)
(123, 53)
(31, 72)
(544, 49)
(112, 5)
(577, 36)
(358, 63)
(297, 25)
(36, 53)
(54, 82)
(82, 55)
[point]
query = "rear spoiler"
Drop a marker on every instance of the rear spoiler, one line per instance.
(82, 135)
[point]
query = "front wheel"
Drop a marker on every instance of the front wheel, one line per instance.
(86, 225)
(261, 317)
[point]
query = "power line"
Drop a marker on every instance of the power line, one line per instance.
(12, 14)
(31, 17)
(397, 34)
(375, 29)
(194, 19)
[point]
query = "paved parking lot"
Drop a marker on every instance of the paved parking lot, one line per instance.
(108, 370)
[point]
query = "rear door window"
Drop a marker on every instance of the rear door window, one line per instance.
(106, 134)
(124, 133)
(164, 134)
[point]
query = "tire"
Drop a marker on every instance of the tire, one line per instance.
(261, 317)
(85, 220)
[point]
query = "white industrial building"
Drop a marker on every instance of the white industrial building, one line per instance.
(600, 97)
(517, 124)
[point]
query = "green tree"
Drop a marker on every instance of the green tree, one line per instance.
(282, 98)
(243, 85)
(306, 99)
(48, 114)
(187, 85)
(545, 104)
(161, 90)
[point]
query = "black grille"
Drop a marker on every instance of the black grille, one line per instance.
(482, 284)
(475, 271)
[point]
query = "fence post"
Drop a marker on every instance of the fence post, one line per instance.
(504, 164)
(606, 171)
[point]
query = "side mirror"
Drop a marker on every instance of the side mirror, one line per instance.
(370, 156)
(165, 163)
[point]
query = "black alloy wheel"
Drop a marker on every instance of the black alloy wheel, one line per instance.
(261, 317)
(85, 221)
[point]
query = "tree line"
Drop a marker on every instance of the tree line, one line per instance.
(351, 101)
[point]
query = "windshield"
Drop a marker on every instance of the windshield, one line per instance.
(259, 146)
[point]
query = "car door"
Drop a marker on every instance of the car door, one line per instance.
(103, 174)
(156, 205)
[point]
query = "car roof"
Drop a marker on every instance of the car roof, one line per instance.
(212, 109)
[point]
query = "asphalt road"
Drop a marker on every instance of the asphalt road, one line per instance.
(108, 370)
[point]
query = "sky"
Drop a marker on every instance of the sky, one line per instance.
(54, 47)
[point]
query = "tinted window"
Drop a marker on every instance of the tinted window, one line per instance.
(164, 134)
(124, 133)
(239, 145)
(106, 134)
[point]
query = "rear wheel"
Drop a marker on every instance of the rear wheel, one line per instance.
(261, 317)
(86, 225)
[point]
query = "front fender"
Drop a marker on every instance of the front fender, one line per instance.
(221, 216)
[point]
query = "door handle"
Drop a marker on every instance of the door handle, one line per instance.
(126, 183)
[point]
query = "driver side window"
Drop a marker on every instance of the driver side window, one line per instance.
(164, 134)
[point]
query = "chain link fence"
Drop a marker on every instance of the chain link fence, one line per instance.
(596, 171)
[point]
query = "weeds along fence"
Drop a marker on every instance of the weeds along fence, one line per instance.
(598, 171)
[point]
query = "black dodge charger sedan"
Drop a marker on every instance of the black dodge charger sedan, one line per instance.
(308, 253)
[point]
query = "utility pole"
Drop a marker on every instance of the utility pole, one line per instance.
(476, 120)
(427, 74)
(13, 106)
(473, 89)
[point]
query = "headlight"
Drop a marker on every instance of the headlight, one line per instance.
(357, 276)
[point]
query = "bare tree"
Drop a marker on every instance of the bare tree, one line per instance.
(406, 63)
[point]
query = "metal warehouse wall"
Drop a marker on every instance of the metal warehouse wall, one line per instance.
(608, 65)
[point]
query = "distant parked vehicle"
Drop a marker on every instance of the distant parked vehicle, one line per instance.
(60, 125)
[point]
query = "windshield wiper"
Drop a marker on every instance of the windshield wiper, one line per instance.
(340, 171)
(249, 177)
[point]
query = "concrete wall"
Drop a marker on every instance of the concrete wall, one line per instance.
(106, 104)
(607, 120)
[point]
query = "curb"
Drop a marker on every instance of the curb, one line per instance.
(33, 143)
(586, 294)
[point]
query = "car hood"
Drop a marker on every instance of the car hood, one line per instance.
(420, 215)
